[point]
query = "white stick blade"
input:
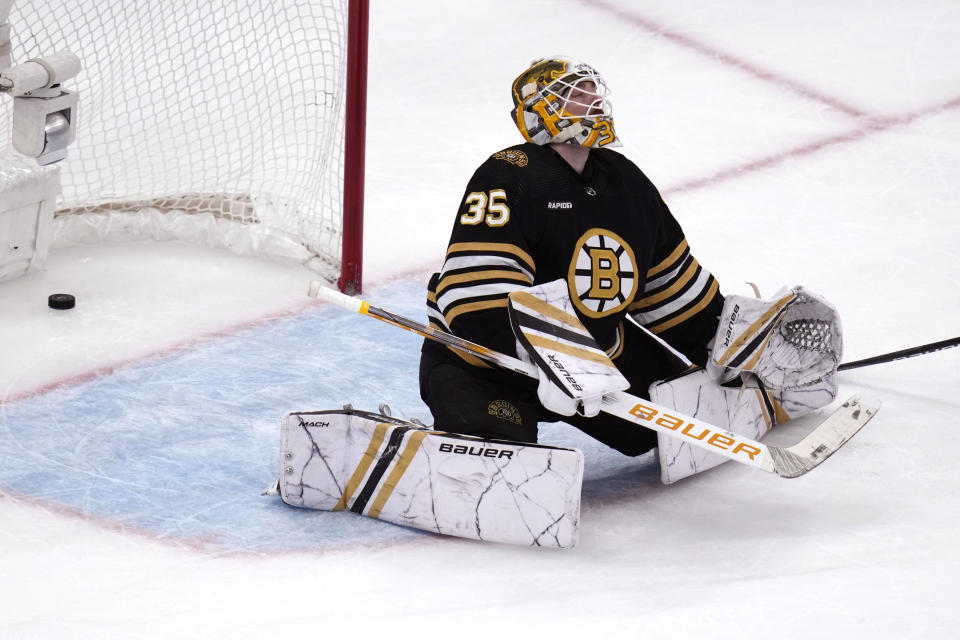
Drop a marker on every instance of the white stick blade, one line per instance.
(825, 440)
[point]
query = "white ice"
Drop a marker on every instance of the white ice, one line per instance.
(814, 143)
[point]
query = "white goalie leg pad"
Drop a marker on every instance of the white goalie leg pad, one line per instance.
(573, 369)
(744, 410)
(397, 471)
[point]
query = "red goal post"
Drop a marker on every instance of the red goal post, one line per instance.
(351, 269)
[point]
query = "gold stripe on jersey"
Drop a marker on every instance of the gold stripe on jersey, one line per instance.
(474, 276)
(492, 247)
(477, 276)
(665, 294)
(593, 355)
(483, 291)
(668, 262)
(481, 305)
(704, 301)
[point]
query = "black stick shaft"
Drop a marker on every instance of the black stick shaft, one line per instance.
(903, 353)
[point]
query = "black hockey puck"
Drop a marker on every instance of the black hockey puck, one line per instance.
(61, 301)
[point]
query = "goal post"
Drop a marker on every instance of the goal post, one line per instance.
(351, 269)
(227, 122)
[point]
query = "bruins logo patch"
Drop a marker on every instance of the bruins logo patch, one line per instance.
(602, 274)
(505, 411)
(512, 156)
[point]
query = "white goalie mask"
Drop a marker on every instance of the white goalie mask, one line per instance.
(560, 99)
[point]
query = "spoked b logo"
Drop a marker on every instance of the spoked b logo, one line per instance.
(602, 274)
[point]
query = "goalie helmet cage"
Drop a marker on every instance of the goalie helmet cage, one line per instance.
(225, 122)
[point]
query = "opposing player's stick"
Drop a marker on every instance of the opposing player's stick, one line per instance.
(787, 462)
(903, 353)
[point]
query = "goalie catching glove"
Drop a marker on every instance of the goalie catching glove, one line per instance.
(783, 354)
(574, 372)
(791, 342)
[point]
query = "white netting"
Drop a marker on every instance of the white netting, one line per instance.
(229, 108)
(809, 333)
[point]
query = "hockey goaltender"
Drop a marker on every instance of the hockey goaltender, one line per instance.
(563, 254)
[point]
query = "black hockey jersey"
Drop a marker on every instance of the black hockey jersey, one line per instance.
(528, 218)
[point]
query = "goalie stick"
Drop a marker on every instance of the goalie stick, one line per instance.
(786, 462)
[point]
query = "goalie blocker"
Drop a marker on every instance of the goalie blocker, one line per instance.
(381, 467)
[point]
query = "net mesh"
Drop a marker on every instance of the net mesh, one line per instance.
(235, 108)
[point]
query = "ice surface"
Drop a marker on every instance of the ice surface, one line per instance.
(814, 144)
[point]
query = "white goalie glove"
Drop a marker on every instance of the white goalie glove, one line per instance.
(791, 343)
(785, 352)
(574, 372)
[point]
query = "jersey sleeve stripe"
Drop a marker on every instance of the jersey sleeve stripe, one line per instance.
(466, 263)
(435, 317)
(669, 261)
(487, 275)
(457, 296)
(669, 292)
(694, 290)
(480, 305)
(680, 297)
(492, 247)
(664, 278)
(713, 290)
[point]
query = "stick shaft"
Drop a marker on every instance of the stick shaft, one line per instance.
(902, 354)
(623, 405)
(787, 462)
(501, 359)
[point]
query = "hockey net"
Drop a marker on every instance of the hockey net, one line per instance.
(221, 121)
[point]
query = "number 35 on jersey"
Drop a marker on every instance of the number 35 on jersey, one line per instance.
(490, 208)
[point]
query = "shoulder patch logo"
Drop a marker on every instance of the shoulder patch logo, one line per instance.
(512, 156)
(505, 411)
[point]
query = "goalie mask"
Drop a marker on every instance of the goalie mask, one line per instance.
(559, 99)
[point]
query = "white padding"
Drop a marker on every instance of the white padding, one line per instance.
(743, 410)
(27, 198)
(791, 341)
(400, 472)
(573, 369)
